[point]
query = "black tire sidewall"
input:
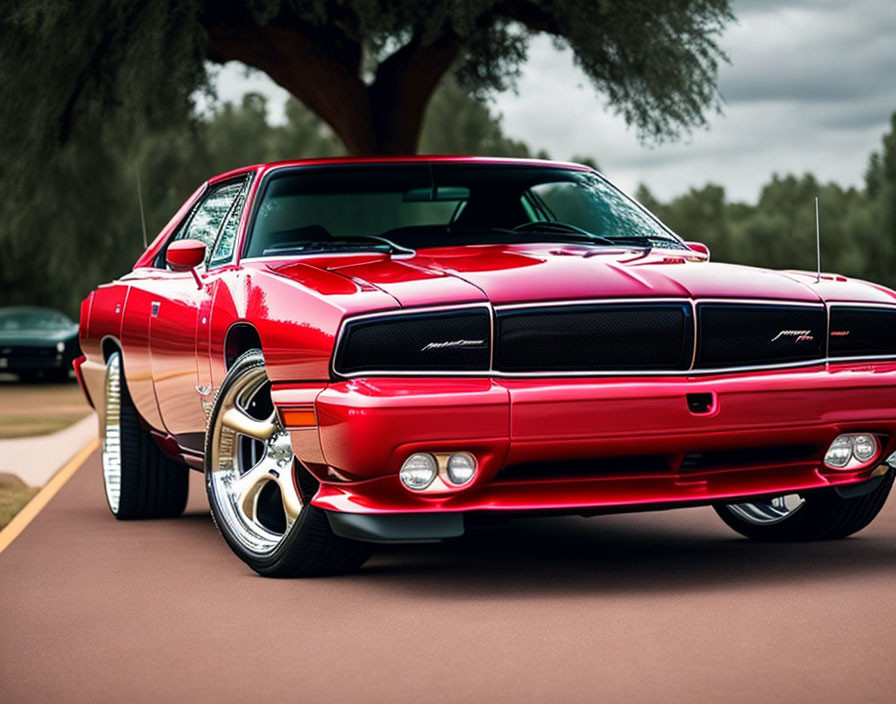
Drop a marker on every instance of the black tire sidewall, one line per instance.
(259, 562)
(825, 516)
(310, 547)
(151, 485)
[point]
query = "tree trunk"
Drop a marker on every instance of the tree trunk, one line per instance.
(383, 118)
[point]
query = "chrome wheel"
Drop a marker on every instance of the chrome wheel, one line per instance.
(112, 433)
(766, 513)
(251, 474)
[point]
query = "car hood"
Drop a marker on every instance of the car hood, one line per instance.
(520, 273)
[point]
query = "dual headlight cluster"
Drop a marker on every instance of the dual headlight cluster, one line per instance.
(440, 471)
(852, 450)
(448, 341)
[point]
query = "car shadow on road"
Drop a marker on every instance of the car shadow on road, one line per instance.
(645, 553)
(571, 555)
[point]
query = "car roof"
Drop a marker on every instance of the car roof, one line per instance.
(413, 159)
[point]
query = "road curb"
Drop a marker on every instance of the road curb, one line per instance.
(21, 520)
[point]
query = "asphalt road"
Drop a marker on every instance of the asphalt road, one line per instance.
(652, 607)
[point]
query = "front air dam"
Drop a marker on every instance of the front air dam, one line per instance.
(396, 527)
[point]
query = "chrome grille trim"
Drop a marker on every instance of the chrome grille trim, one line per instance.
(691, 371)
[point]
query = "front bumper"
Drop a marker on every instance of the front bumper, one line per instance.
(537, 439)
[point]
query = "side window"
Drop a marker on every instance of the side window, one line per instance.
(207, 218)
(223, 250)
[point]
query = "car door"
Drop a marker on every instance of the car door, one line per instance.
(176, 302)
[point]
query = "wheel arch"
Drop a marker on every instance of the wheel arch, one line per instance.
(240, 338)
(109, 345)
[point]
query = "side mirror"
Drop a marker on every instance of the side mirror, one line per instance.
(184, 255)
(698, 247)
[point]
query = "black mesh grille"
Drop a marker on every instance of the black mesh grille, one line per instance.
(862, 332)
(610, 337)
(744, 335)
(614, 337)
(446, 341)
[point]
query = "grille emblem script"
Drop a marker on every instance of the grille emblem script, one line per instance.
(796, 335)
(453, 345)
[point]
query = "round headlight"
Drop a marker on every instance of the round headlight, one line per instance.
(839, 453)
(461, 468)
(418, 471)
(864, 447)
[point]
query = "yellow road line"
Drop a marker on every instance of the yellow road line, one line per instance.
(42, 498)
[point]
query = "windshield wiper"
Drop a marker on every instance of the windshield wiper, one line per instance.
(565, 228)
(548, 231)
(351, 242)
(554, 227)
(648, 242)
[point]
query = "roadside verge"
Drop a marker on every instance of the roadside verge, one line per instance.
(14, 528)
(37, 458)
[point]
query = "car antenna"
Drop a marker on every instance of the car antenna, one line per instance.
(140, 200)
(817, 245)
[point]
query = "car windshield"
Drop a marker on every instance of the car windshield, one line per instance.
(13, 320)
(419, 205)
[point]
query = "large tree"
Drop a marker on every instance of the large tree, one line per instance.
(368, 68)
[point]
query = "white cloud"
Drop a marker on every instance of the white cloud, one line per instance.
(810, 88)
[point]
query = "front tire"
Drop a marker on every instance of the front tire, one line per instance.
(820, 514)
(140, 481)
(258, 493)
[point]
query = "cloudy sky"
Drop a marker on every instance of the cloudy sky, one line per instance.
(810, 87)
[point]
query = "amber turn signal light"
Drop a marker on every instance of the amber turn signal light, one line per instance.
(298, 417)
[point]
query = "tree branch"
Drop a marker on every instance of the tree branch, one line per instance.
(317, 66)
(532, 16)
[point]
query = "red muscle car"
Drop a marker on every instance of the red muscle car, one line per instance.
(359, 351)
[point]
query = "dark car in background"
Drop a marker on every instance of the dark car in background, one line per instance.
(37, 343)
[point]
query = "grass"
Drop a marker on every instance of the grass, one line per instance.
(29, 426)
(14, 494)
(27, 410)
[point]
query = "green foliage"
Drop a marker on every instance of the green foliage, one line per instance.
(366, 67)
(14, 494)
(80, 224)
(67, 65)
(457, 124)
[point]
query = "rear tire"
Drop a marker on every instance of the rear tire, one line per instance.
(824, 515)
(140, 481)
